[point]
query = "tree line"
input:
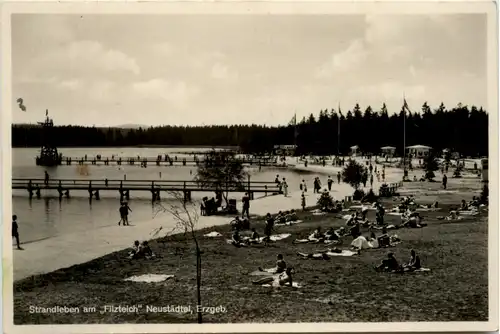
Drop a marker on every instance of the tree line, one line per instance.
(462, 128)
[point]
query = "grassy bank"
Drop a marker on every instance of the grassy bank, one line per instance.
(340, 289)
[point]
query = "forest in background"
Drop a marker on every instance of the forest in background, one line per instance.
(462, 129)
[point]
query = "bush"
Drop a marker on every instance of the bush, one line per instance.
(358, 195)
(353, 174)
(369, 197)
(458, 171)
(325, 200)
(430, 166)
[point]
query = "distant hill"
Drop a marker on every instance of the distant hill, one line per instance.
(130, 126)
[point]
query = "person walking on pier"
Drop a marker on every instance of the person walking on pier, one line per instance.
(246, 206)
(15, 232)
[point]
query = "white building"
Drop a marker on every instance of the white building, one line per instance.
(418, 151)
(355, 150)
(388, 151)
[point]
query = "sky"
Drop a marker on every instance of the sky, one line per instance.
(107, 70)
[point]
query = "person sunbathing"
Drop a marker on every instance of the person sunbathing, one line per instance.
(319, 255)
(254, 238)
(384, 240)
(282, 279)
(146, 250)
(331, 234)
(352, 220)
(317, 235)
(389, 265)
(135, 249)
(355, 230)
(280, 265)
(414, 262)
(236, 223)
(236, 239)
(373, 240)
(280, 218)
(464, 206)
(290, 217)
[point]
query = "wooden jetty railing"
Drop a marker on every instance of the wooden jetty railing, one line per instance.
(158, 161)
(124, 187)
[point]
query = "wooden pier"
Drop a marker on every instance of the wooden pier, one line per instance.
(124, 187)
(159, 161)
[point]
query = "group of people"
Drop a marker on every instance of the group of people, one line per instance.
(390, 264)
(141, 250)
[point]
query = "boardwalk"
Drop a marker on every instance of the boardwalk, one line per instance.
(159, 161)
(124, 187)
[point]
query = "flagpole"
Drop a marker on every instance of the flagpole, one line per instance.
(338, 133)
(404, 136)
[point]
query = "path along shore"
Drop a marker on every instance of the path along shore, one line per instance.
(70, 249)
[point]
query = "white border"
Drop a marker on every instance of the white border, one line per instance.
(249, 8)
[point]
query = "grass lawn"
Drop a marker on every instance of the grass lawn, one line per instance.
(342, 289)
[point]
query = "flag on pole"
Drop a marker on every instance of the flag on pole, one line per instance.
(406, 107)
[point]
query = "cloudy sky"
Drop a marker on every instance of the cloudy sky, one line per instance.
(227, 69)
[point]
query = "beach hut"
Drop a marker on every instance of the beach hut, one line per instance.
(418, 151)
(388, 151)
(355, 150)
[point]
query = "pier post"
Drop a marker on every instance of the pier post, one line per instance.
(249, 184)
(127, 194)
(265, 187)
(97, 197)
(38, 192)
(119, 162)
(67, 193)
(184, 162)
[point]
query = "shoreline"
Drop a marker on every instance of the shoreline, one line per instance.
(43, 257)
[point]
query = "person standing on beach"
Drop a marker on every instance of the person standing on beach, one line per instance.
(124, 209)
(338, 177)
(371, 180)
(15, 231)
(46, 179)
(330, 182)
(303, 202)
(246, 206)
(445, 181)
(284, 186)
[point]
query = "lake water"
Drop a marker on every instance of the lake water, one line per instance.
(48, 216)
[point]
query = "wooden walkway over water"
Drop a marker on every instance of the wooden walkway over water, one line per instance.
(124, 187)
(158, 161)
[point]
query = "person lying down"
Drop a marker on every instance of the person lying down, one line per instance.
(325, 255)
(330, 236)
(282, 279)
